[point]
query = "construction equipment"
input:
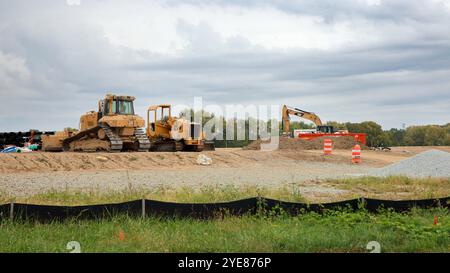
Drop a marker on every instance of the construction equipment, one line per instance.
(288, 111)
(113, 128)
(54, 142)
(168, 133)
(319, 131)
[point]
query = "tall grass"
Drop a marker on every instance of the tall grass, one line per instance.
(335, 231)
(205, 194)
(391, 188)
(396, 187)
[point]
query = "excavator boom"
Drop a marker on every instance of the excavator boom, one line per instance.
(288, 111)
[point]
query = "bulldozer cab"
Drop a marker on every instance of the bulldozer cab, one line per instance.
(158, 118)
(116, 105)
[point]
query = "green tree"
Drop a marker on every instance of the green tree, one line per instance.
(415, 136)
(395, 137)
(375, 135)
(337, 125)
(434, 136)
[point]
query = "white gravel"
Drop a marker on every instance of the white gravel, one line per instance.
(27, 184)
(432, 163)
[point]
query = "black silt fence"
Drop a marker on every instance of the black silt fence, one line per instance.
(374, 205)
(43, 212)
(294, 208)
(209, 210)
(152, 208)
(4, 211)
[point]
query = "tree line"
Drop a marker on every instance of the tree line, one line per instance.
(418, 135)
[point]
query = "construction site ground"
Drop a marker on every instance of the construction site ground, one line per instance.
(23, 175)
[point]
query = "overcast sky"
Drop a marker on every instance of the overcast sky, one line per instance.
(350, 60)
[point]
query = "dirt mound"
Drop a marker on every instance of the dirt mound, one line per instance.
(341, 142)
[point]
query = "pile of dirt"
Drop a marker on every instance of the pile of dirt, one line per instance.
(340, 142)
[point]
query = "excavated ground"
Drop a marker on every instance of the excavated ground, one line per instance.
(343, 142)
(39, 172)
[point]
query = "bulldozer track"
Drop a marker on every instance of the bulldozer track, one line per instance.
(144, 142)
(167, 146)
(114, 139)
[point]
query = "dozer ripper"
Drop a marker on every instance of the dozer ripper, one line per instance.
(170, 134)
(113, 128)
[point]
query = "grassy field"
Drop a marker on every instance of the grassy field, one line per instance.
(336, 231)
(395, 187)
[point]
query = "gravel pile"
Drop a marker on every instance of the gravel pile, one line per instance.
(432, 163)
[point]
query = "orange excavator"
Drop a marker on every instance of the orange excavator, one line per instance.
(319, 131)
(288, 111)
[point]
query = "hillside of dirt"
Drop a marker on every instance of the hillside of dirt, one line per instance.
(50, 162)
(343, 142)
(23, 174)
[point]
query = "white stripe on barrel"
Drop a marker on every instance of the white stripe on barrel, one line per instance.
(356, 154)
(327, 146)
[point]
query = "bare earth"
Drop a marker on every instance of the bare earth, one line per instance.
(23, 175)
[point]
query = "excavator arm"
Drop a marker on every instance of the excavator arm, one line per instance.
(288, 111)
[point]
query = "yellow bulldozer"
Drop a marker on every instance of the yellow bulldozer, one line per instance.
(169, 133)
(114, 127)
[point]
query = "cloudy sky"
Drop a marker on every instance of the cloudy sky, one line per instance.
(349, 60)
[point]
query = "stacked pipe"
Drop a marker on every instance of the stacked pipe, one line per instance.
(20, 138)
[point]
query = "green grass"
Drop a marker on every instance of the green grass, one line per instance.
(337, 231)
(395, 187)
(390, 188)
(205, 194)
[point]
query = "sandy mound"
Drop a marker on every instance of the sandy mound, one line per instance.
(341, 142)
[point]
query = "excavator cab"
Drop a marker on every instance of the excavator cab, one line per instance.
(326, 129)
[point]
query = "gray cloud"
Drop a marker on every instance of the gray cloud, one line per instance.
(56, 62)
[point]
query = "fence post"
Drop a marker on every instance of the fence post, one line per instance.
(143, 208)
(363, 203)
(11, 211)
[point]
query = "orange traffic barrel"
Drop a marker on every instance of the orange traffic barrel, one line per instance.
(356, 154)
(327, 146)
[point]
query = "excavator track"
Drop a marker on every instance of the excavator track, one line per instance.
(143, 141)
(114, 139)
